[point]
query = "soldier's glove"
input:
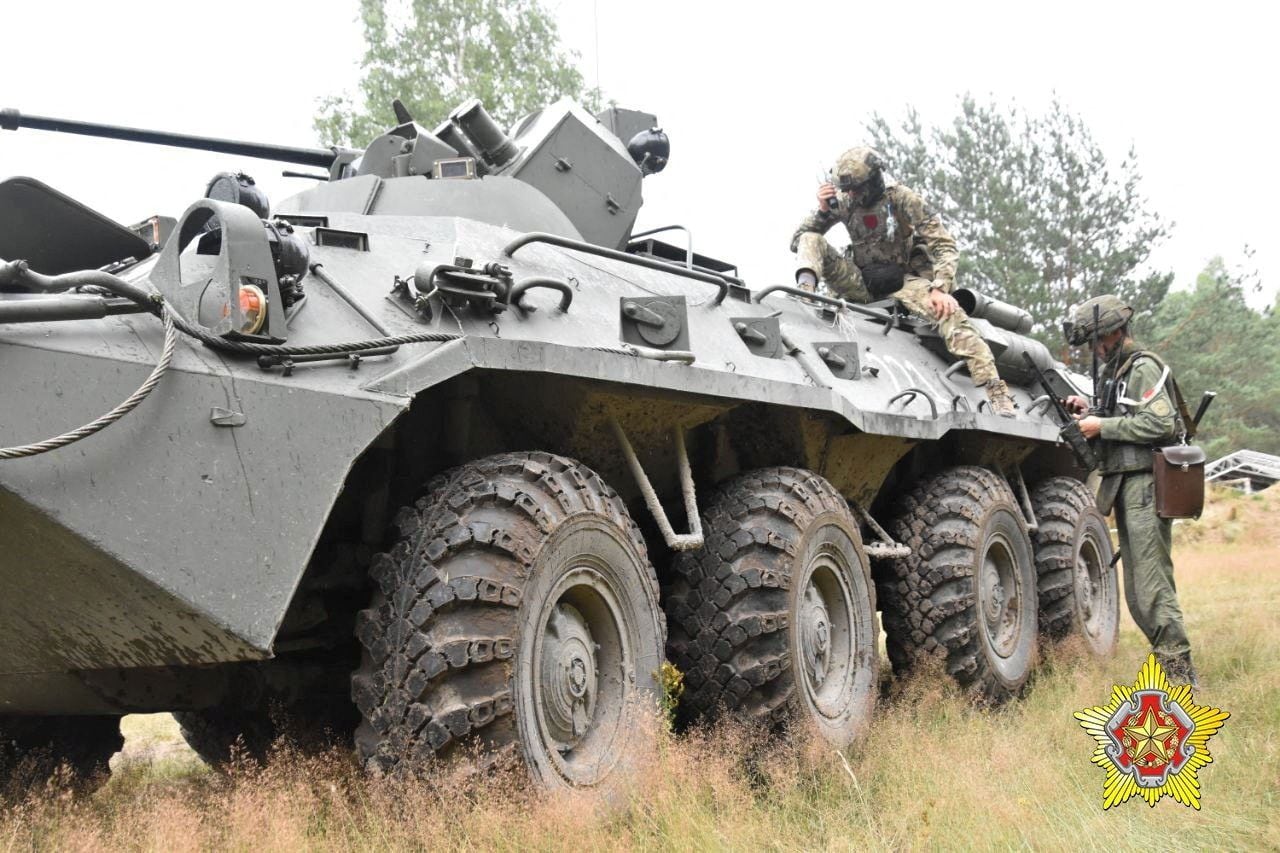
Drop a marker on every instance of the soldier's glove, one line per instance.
(883, 278)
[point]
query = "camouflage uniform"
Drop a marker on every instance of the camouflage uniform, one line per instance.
(1138, 415)
(898, 228)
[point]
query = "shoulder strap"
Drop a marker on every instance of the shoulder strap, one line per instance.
(1128, 363)
(1188, 426)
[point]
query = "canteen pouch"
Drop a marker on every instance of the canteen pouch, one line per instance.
(1179, 476)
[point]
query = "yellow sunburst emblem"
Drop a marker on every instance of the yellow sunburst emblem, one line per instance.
(1152, 739)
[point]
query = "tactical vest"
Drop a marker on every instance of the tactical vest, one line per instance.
(876, 236)
(1122, 457)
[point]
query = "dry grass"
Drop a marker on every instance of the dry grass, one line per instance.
(932, 772)
(1232, 517)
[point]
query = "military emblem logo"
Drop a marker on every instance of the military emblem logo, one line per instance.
(1152, 739)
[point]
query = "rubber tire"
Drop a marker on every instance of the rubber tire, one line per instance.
(932, 601)
(33, 748)
(214, 733)
(453, 632)
(1073, 533)
(733, 608)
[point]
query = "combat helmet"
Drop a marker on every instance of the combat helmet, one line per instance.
(860, 173)
(1112, 314)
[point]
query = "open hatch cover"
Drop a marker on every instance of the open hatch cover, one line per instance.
(56, 234)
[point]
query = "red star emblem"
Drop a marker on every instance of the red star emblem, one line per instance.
(1151, 738)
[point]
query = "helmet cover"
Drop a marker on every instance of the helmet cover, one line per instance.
(1112, 314)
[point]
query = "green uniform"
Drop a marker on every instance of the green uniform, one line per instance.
(1139, 414)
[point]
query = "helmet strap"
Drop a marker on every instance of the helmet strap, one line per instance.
(1112, 352)
(874, 190)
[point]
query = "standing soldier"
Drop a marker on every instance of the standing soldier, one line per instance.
(899, 249)
(1137, 415)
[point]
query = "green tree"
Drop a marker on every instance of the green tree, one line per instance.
(1042, 219)
(1214, 341)
(434, 54)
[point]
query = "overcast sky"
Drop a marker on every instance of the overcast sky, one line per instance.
(757, 99)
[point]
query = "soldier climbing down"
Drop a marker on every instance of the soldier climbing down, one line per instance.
(899, 248)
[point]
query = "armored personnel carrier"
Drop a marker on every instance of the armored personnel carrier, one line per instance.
(441, 456)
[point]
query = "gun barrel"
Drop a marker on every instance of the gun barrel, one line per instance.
(1054, 399)
(1069, 429)
(1205, 400)
(13, 120)
(1093, 393)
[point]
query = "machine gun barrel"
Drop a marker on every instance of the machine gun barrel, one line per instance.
(1070, 430)
(12, 120)
(1094, 395)
(1205, 400)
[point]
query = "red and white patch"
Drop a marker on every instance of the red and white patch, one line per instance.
(1151, 392)
(870, 221)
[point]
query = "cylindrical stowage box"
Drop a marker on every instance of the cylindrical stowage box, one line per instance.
(1009, 358)
(995, 312)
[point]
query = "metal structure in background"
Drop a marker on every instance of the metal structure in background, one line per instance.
(1245, 469)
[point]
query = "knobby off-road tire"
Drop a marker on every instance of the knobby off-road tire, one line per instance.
(518, 611)
(967, 593)
(33, 748)
(773, 619)
(216, 733)
(1079, 590)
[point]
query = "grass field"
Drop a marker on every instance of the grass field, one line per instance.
(932, 772)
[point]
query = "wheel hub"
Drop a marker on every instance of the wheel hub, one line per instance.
(1086, 588)
(816, 635)
(1092, 597)
(578, 678)
(569, 676)
(995, 602)
(1000, 594)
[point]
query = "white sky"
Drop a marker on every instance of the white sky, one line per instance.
(756, 102)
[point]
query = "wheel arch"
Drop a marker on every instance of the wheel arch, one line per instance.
(486, 411)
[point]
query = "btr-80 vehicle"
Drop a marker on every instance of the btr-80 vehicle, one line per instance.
(440, 455)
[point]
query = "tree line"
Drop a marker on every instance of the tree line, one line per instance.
(1043, 218)
(435, 54)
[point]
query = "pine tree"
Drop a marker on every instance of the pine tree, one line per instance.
(1042, 219)
(1214, 341)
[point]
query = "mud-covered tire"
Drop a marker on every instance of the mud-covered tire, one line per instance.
(967, 592)
(218, 734)
(213, 734)
(34, 748)
(1079, 588)
(773, 619)
(517, 612)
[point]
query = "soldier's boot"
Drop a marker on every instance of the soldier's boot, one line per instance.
(806, 279)
(1179, 669)
(998, 395)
